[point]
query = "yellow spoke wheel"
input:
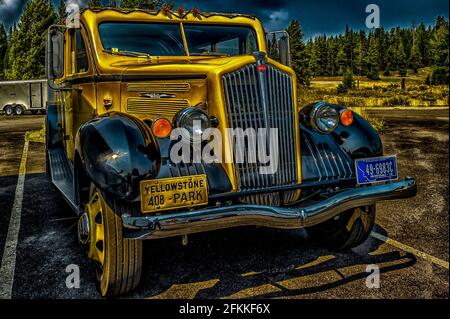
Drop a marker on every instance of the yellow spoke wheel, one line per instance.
(117, 261)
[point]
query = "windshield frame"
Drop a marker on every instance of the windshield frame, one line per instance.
(183, 38)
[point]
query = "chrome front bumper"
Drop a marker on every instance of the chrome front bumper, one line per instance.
(188, 222)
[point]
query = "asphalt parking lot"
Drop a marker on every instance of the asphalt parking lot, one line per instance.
(409, 245)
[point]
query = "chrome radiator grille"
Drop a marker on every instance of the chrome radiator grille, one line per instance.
(322, 160)
(263, 100)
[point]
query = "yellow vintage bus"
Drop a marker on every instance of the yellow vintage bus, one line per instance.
(124, 81)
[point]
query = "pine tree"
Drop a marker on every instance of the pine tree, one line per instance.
(298, 53)
(348, 47)
(112, 4)
(373, 61)
(440, 52)
(95, 3)
(26, 55)
(6, 59)
(273, 47)
(332, 50)
(361, 54)
(401, 60)
(440, 21)
(61, 11)
(3, 47)
(440, 43)
(322, 55)
(347, 82)
(382, 42)
(415, 58)
(423, 45)
(341, 60)
(399, 53)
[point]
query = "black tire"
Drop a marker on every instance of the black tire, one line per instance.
(347, 230)
(9, 110)
(42, 112)
(18, 110)
(122, 261)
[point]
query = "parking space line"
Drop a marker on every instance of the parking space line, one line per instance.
(8, 264)
(411, 250)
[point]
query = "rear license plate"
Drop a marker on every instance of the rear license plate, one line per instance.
(376, 169)
(171, 193)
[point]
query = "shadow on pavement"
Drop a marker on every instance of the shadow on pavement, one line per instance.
(242, 262)
(257, 263)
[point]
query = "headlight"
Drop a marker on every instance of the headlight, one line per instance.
(324, 118)
(194, 120)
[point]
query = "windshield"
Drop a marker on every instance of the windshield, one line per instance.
(149, 38)
(227, 40)
(165, 39)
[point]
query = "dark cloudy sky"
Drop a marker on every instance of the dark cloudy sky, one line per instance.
(316, 16)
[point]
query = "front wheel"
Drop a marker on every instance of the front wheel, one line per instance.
(117, 261)
(347, 230)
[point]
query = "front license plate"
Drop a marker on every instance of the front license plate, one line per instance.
(376, 169)
(170, 193)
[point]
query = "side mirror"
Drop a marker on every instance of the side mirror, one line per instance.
(55, 54)
(282, 46)
(284, 50)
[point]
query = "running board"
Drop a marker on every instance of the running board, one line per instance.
(62, 175)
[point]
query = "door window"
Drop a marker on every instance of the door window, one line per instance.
(81, 60)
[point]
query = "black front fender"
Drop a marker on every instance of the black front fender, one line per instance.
(358, 140)
(332, 156)
(117, 151)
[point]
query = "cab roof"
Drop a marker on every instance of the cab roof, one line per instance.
(170, 14)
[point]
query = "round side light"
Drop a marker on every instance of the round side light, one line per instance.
(161, 127)
(346, 117)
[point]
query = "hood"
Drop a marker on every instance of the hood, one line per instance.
(176, 66)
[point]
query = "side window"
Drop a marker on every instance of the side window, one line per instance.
(81, 60)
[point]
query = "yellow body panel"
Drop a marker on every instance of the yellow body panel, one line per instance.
(93, 98)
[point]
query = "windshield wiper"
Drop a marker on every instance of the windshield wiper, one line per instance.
(128, 53)
(209, 54)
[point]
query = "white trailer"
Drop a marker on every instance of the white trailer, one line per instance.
(16, 97)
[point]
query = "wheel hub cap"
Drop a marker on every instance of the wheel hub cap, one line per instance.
(84, 229)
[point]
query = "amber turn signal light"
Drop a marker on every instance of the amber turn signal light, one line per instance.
(346, 117)
(162, 127)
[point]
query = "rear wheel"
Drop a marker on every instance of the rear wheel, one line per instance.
(117, 261)
(347, 230)
(9, 110)
(18, 110)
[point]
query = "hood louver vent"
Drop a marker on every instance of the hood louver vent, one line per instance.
(160, 87)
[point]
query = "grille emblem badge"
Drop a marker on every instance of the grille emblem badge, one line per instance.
(157, 95)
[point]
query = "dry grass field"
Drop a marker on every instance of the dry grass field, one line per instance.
(386, 92)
